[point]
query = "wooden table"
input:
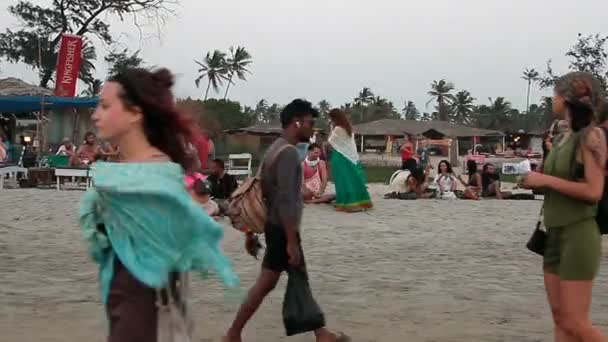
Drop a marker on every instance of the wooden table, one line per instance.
(40, 176)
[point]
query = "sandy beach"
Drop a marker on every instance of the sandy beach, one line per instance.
(424, 270)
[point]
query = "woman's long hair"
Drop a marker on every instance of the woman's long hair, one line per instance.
(582, 94)
(165, 127)
(471, 167)
(339, 119)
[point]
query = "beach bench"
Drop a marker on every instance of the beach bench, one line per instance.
(74, 173)
(11, 171)
(239, 164)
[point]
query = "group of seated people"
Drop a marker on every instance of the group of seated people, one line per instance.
(212, 192)
(89, 152)
(479, 184)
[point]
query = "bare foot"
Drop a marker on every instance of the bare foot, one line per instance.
(325, 335)
(229, 338)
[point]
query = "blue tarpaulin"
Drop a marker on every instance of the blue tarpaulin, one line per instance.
(24, 104)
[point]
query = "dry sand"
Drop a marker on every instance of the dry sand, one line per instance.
(424, 270)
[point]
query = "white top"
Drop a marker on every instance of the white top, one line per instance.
(341, 142)
(62, 150)
(445, 183)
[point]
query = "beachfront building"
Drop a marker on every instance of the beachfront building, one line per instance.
(443, 137)
(256, 138)
(26, 109)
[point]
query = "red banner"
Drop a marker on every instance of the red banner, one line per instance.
(68, 65)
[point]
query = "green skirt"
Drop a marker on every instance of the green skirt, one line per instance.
(351, 184)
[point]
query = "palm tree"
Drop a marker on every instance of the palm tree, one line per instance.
(122, 60)
(214, 68)
(497, 115)
(324, 106)
(410, 112)
(237, 65)
(380, 102)
(366, 96)
(440, 92)
(260, 111)
(87, 64)
(547, 107)
(426, 117)
(530, 75)
(93, 89)
(462, 107)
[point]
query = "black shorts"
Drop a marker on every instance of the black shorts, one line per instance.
(276, 258)
(409, 164)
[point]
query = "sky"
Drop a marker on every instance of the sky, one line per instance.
(331, 49)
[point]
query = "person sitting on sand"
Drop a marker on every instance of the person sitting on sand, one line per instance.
(200, 190)
(416, 186)
(445, 181)
(473, 186)
(315, 177)
(222, 184)
(490, 183)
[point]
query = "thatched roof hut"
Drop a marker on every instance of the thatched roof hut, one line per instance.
(273, 128)
(429, 129)
(15, 87)
(263, 129)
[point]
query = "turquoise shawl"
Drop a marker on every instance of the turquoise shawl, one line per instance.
(152, 225)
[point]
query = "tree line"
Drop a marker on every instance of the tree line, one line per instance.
(36, 44)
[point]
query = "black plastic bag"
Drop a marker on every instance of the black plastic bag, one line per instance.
(301, 313)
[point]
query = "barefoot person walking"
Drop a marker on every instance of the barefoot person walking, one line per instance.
(141, 226)
(346, 168)
(281, 186)
(573, 179)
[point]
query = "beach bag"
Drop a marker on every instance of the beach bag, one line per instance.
(174, 322)
(301, 313)
(247, 209)
(538, 239)
(602, 206)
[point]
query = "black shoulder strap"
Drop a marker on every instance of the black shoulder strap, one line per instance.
(577, 144)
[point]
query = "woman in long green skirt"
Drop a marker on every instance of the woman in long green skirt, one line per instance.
(346, 169)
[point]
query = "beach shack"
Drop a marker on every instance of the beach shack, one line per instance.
(256, 138)
(443, 137)
(37, 115)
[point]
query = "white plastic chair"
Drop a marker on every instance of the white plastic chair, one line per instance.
(239, 164)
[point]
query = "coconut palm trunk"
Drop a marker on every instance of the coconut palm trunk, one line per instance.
(207, 91)
(528, 98)
(228, 86)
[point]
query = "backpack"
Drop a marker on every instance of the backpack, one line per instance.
(602, 206)
(247, 209)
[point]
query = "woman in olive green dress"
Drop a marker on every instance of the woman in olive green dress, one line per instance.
(573, 179)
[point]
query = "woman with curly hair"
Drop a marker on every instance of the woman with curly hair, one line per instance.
(573, 180)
